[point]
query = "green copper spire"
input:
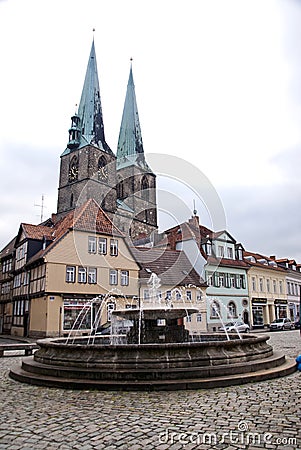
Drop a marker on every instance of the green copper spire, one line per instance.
(130, 146)
(87, 125)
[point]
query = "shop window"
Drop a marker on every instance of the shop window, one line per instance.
(77, 314)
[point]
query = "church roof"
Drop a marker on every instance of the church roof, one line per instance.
(91, 127)
(130, 146)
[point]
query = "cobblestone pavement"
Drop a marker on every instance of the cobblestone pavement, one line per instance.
(251, 416)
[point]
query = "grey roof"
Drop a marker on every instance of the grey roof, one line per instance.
(90, 110)
(130, 146)
(171, 266)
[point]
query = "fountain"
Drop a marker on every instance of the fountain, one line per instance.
(155, 353)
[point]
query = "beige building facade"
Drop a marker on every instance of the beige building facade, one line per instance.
(267, 290)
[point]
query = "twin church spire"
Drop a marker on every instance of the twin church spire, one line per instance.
(122, 183)
(87, 126)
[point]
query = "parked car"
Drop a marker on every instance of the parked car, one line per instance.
(281, 324)
(297, 324)
(238, 326)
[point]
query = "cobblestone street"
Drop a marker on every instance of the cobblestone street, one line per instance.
(252, 416)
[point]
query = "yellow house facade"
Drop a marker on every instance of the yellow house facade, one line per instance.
(87, 259)
(267, 290)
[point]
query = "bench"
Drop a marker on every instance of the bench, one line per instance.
(27, 348)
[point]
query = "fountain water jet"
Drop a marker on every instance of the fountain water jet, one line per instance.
(157, 356)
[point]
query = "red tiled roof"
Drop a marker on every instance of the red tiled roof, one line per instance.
(226, 262)
(37, 232)
(259, 257)
(88, 217)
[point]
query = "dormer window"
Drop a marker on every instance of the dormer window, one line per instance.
(220, 251)
(230, 252)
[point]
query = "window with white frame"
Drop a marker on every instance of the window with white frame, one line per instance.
(70, 274)
(178, 295)
(82, 275)
(5, 288)
(92, 275)
(230, 252)
(274, 286)
(124, 278)
(114, 247)
(268, 285)
(17, 281)
(91, 244)
(220, 250)
(168, 295)
(146, 294)
(110, 308)
(280, 287)
(113, 277)
(221, 279)
(188, 318)
(253, 283)
(199, 317)
(7, 265)
(199, 295)
(242, 281)
(232, 281)
(261, 284)
(26, 278)
(189, 295)
(102, 246)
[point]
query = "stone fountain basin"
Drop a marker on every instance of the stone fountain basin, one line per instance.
(210, 363)
(214, 350)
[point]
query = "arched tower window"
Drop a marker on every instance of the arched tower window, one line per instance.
(120, 189)
(71, 201)
(145, 188)
(102, 169)
(73, 169)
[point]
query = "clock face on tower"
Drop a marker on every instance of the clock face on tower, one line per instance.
(103, 173)
(73, 169)
(102, 169)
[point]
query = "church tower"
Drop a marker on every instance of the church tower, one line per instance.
(136, 183)
(88, 165)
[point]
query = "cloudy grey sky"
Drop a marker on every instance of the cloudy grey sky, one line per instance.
(218, 84)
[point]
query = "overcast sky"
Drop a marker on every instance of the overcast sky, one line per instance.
(218, 83)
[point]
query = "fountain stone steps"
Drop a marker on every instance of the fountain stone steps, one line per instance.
(286, 368)
(141, 373)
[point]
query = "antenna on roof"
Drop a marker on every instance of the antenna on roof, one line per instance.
(42, 208)
(194, 210)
